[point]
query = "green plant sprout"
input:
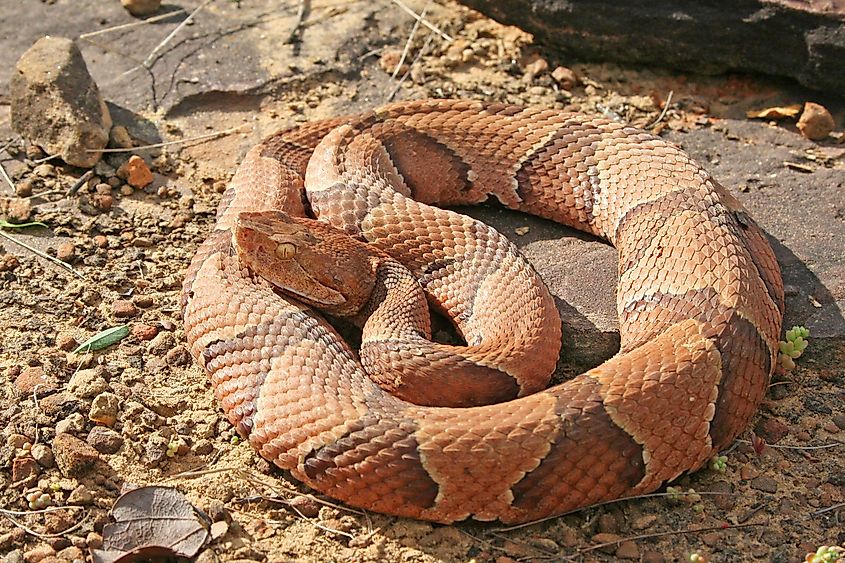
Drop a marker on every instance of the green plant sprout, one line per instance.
(794, 345)
(826, 554)
(719, 463)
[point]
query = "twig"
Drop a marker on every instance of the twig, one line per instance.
(67, 267)
(421, 52)
(828, 509)
(663, 534)
(779, 447)
(176, 142)
(6, 176)
(662, 113)
(296, 32)
(8, 512)
(45, 536)
(80, 182)
(172, 34)
(410, 39)
(123, 26)
(426, 23)
(46, 158)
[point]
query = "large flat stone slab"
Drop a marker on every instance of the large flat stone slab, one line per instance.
(802, 40)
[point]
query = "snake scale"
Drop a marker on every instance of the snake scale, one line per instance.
(700, 303)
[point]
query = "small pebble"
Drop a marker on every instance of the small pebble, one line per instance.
(38, 553)
(24, 187)
(119, 137)
(628, 550)
(178, 356)
(144, 332)
(839, 421)
(141, 7)
(765, 484)
(123, 308)
(101, 241)
(73, 423)
(136, 172)
(126, 190)
(43, 455)
(307, 506)
(45, 170)
(536, 68)
(66, 252)
(105, 440)
(80, 496)
(66, 342)
(102, 202)
(18, 210)
(566, 77)
(104, 409)
(815, 122)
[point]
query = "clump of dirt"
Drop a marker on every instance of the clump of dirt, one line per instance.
(82, 427)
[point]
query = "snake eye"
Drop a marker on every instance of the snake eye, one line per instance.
(285, 250)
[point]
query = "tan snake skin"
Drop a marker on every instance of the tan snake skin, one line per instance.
(700, 303)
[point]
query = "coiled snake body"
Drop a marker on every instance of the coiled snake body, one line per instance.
(700, 303)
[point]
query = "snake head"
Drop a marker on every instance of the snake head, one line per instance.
(306, 259)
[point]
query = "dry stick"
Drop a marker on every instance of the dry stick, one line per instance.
(176, 142)
(662, 534)
(45, 536)
(173, 33)
(297, 25)
(778, 447)
(662, 113)
(6, 176)
(426, 23)
(828, 509)
(422, 51)
(46, 158)
(408, 42)
(67, 267)
(80, 182)
(153, 19)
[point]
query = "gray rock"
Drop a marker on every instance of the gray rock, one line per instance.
(688, 34)
(43, 455)
(88, 383)
(55, 103)
(71, 424)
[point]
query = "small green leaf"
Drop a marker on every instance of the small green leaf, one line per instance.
(104, 339)
(6, 225)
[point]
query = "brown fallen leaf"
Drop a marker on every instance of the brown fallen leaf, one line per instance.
(152, 522)
(777, 112)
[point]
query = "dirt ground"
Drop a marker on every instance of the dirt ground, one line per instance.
(128, 253)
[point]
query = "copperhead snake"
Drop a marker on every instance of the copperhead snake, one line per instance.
(700, 303)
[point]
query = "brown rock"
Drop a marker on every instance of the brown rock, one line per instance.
(306, 506)
(8, 263)
(102, 202)
(38, 553)
(144, 332)
(178, 356)
(66, 252)
(610, 539)
(608, 523)
(628, 550)
(104, 409)
(119, 138)
(73, 456)
(24, 468)
(101, 241)
(815, 122)
(772, 430)
(56, 104)
(566, 77)
(142, 301)
(105, 440)
(765, 484)
(140, 8)
(653, 557)
(33, 379)
(136, 172)
(536, 68)
(18, 210)
(123, 308)
(43, 455)
(839, 421)
(66, 342)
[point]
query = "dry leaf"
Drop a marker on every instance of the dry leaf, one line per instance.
(777, 112)
(152, 522)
